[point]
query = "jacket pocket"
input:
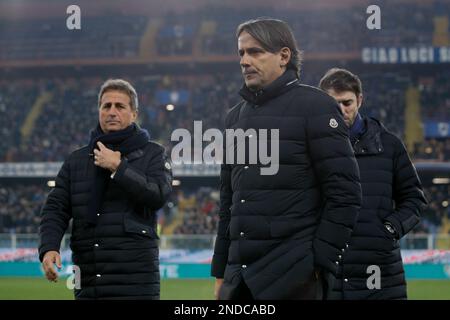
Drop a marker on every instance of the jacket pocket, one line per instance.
(131, 225)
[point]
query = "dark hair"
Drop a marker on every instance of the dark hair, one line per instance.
(341, 80)
(273, 35)
(122, 86)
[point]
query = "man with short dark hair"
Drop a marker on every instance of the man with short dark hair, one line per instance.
(279, 234)
(392, 199)
(111, 189)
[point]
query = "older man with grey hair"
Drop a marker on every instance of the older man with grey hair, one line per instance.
(111, 189)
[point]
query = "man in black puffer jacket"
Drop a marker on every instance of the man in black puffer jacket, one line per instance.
(392, 200)
(277, 233)
(111, 189)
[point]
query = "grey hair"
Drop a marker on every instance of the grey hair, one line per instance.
(123, 86)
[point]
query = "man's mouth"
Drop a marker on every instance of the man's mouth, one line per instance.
(249, 74)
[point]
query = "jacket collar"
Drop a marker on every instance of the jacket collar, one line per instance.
(370, 141)
(279, 86)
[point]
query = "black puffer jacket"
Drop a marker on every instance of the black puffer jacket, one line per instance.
(392, 192)
(275, 229)
(118, 256)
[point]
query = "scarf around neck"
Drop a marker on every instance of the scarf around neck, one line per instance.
(357, 129)
(125, 141)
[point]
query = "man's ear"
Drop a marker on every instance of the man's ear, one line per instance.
(285, 54)
(360, 100)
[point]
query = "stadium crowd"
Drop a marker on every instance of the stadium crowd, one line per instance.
(20, 207)
(66, 119)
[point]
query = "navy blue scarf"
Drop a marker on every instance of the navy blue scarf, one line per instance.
(357, 129)
(126, 141)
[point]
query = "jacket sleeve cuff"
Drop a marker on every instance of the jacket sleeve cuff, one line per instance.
(218, 265)
(396, 224)
(326, 256)
(120, 169)
(45, 249)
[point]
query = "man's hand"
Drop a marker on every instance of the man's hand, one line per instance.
(106, 158)
(50, 258)
(217, 287)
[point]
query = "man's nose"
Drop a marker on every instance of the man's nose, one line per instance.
(244, 61)
(112, 111)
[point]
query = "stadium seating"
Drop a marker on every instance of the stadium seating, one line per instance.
(66, 119)
(99, 37)
(212, 29)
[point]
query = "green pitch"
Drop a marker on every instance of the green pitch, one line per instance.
(36, 288)
(175, 289)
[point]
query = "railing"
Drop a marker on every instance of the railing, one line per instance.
(206, 241)
(199, 242)
(427, 241)
(181, 241)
